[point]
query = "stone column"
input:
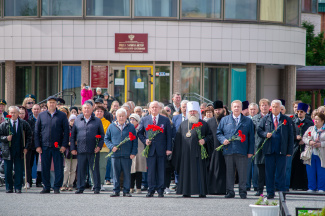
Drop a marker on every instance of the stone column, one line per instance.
(290, 86)
(177, 77)
(85, 72)
(319, 98)
(251, 82)
(10, 78)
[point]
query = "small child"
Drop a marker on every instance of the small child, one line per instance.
(70, 166)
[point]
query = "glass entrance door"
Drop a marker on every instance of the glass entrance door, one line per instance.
(139, 86)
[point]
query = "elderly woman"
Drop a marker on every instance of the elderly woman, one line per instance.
(44, 107)
(74, 110)
(139, 163)
(208, 113)
(122, 157)
(314, 138)
(65, 110)
(98, 94)
(138, 110)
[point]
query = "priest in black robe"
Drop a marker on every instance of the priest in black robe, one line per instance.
(217, 165)
(187, 157)
(299, 178)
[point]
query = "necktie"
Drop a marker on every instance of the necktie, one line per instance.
(236, 121)
(183, 118)
(154, 120)
(276, 123)
(15, 126)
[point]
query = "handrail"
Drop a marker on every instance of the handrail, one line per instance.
(196, 97)
(72, 95)
(284, 211)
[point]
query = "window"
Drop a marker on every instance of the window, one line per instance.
(241, 9)
(292, 14)
(155, 8)
(201, 8)
(71, 81)
(23, 83)
(216, 84)
(108, 8)
(272, 10)
(46, 83)
(162, 84)
(238, 84)
(20, 7)
(190, 79)
(61, 7)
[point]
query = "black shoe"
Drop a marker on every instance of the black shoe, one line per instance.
(9, 191)
(187, 196)
(56, 191)
(160, 195)
(255, 189)
(243, 196)
(258, 194)
(149, 194)
(144, 189)
(127, 195)
(230, 195)
(18, 191)
(39, 185)
(248, 189)
(79, 192)
(96, 192)
(115, 194)
(270, 196)
(44, 191)
(202, 196)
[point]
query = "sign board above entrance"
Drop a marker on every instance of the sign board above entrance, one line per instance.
(131, 43)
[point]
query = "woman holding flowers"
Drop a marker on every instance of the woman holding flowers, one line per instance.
(236, 133)
(120, 139)
(190, 155)
(314, 138)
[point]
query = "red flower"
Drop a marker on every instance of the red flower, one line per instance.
(132, 137)
(240, 133)
(98, 136)
(291, 116)
(199, 124)
(243, 138)
(56, 145)
(309, 133)
(8, 116)
(69, 134)
(285, 122)
(300, 125)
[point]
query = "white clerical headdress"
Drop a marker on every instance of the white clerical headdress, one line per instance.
(193, 105)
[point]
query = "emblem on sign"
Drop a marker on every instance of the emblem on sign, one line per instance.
(131, 37)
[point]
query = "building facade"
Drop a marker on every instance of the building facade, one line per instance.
(220, 49)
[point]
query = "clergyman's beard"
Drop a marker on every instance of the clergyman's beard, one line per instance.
(220, 115)
(194, 119)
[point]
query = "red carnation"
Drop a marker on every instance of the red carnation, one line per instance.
(240, 133)
(69, 134)
(8, 116)
(300, 125)
(291, 116)
(98, 136)
(243, 138)
(56, 145)
(285, 122)
(309, 133)
(132, 137)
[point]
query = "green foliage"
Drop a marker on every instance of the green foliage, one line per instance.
(312, 213)
(263, 201)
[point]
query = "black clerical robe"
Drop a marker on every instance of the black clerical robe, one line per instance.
(192, 169)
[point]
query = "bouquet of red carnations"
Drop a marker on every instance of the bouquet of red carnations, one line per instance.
(131, 137)
(197, 127)
(152, 131)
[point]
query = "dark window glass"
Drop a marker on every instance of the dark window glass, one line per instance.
(162, 84)
(292, 14)
(201, 8)
(20, 7)
(108, 7)
(216, 84)
(46, 83)
(155, 8)
(61, 7)
(23, 83)
(71, 81)
(241, 9)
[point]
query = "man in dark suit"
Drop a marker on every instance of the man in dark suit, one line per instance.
(277, 147)
(160, 146)
(176, 105)
(14, 147)
(178, 119)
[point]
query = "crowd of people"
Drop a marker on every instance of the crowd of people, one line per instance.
(206, 148)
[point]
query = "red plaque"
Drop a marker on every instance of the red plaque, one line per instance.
(131, 43)
(99, 76)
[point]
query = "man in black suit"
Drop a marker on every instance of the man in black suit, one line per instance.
(160, 146)
(176, 105)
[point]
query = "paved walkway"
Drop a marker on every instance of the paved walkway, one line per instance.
(68, 203)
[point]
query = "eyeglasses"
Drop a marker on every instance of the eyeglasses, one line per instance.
(168, 111)
(30, 102)
(132, 119)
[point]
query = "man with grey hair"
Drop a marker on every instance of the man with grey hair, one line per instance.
(236, 152)
(84, 131)
(138, 110)
(15, 145)
(283, 110)
(278, 146)
(127, 109)
(252, 109)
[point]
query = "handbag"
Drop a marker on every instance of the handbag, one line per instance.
(306, 155)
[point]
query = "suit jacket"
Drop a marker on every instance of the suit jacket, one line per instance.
(172, 108)
(162, 141)
(267, 126)
(227, 128)
(259, 158)
(177, 121)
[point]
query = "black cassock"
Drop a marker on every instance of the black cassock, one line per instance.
(217, 167)
(187, 159)
(298, 169)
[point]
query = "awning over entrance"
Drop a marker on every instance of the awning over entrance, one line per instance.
(311, 78)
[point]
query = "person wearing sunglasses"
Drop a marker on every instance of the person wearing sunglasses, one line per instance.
(29, 102)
